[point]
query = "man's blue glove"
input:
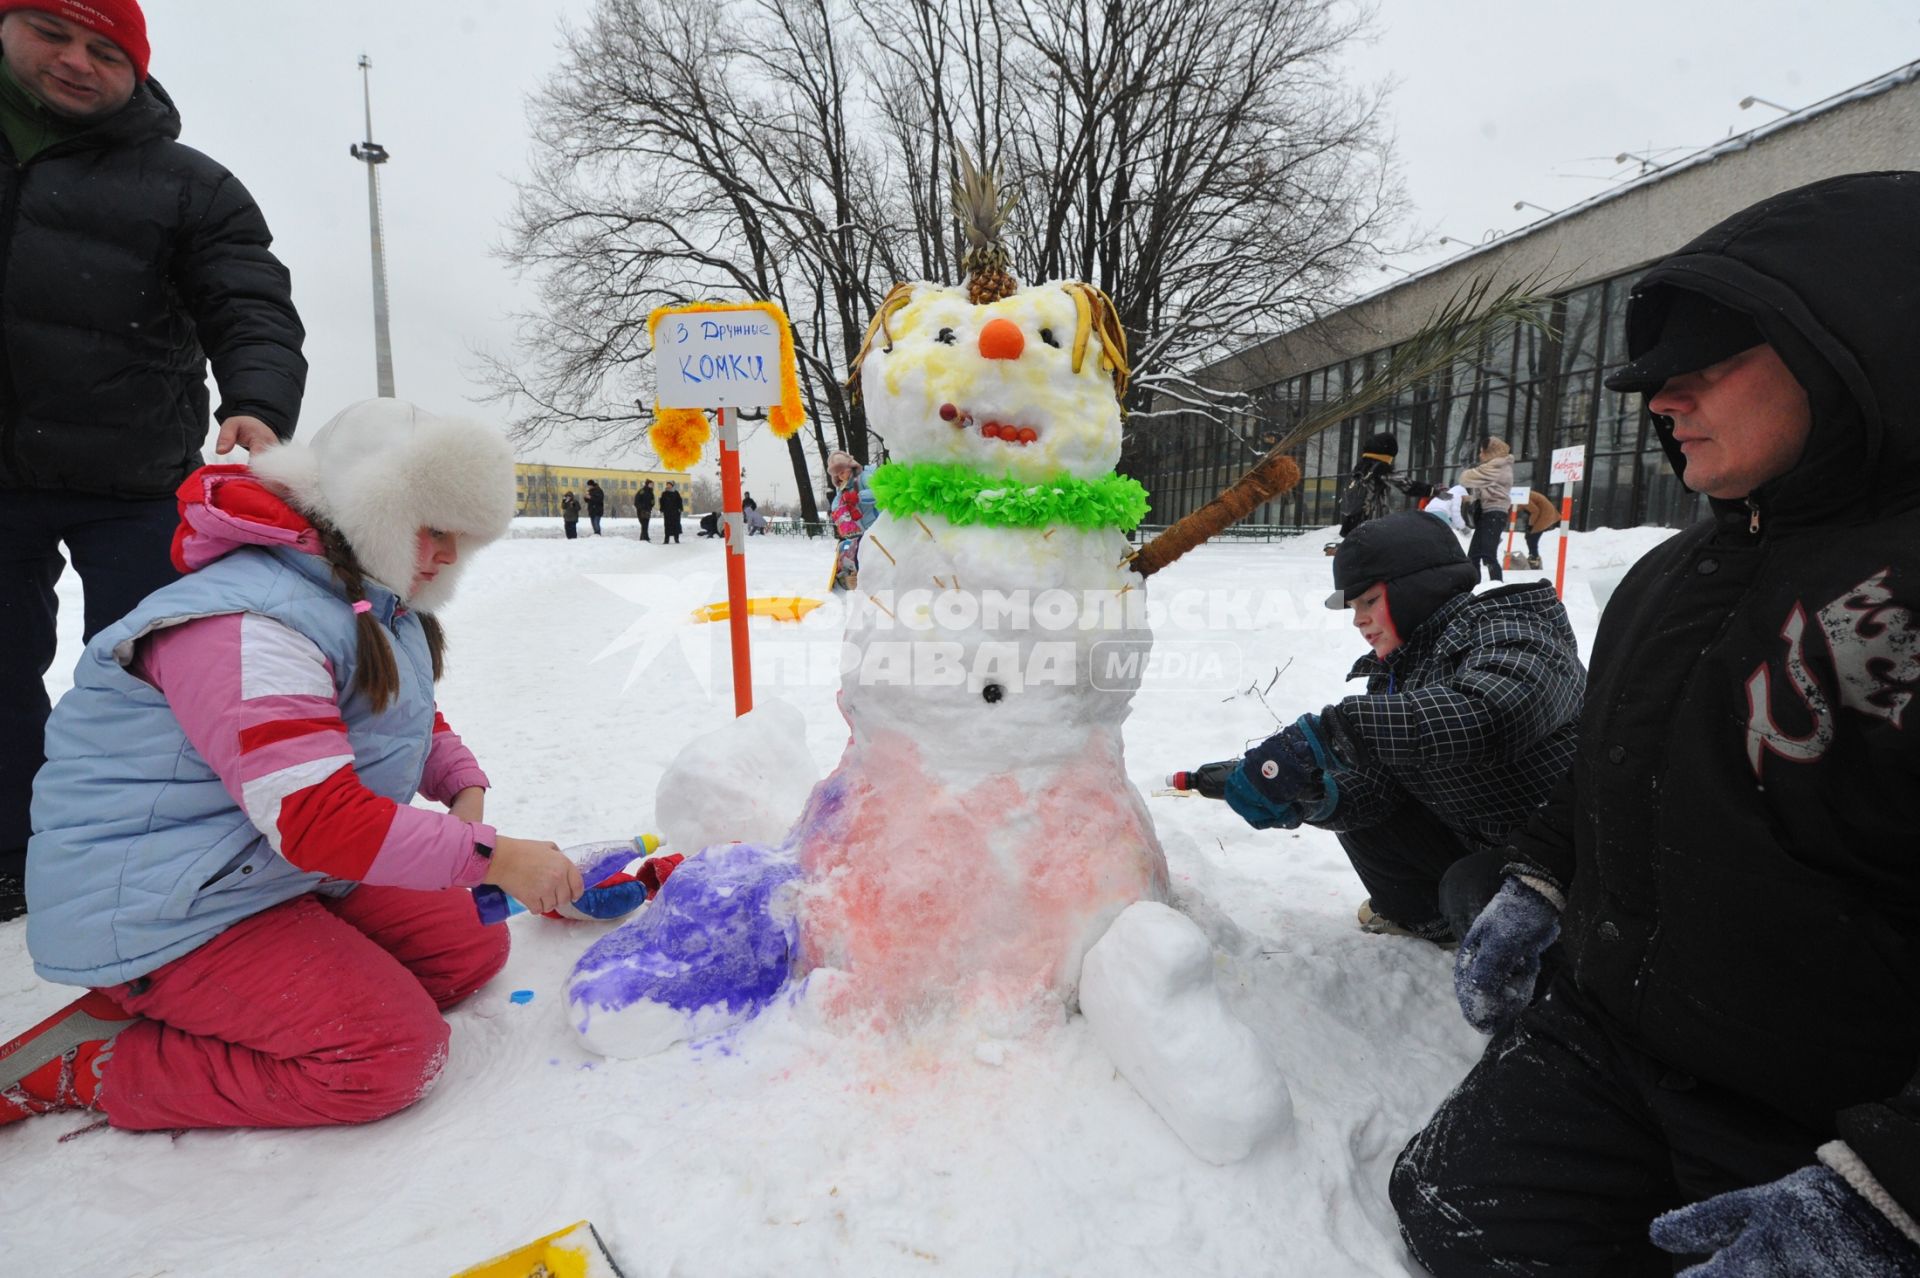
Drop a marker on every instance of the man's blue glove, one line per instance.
(1810, 1224)
(1255, 808)
(1499, 961)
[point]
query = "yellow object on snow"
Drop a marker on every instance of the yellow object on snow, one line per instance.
(573, 1252)
(779, 607)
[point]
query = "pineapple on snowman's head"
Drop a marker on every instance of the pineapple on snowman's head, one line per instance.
(990, 376)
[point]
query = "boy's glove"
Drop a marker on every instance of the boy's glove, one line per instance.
(1295, 765)
(1809, 1224)
(1209, 780)
(1499, 961)
(1254, 807)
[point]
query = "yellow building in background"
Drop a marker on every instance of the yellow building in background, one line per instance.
(537, 488)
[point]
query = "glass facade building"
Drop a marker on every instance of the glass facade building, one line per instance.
(1536, 387)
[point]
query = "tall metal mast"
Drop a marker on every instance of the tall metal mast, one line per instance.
(372, 154)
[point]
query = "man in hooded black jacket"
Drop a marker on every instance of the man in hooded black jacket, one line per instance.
(1731, 864)
(127, 262)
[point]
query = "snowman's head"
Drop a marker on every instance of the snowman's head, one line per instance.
(1029, 385)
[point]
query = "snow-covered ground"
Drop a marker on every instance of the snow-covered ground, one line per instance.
(787, 1147)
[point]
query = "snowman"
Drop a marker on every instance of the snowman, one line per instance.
(978, 853)
(979, 833)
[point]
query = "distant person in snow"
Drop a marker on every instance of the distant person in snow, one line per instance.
(1368, 493)
(1468, 721)
(709, 524)
(1723, 1065)
(570, 514)
(1489, 486)
(643, 507)
(596, 504)
(1447, 507)
(269, 927)
(128, 263)
(852, 509)
(671, 504)
(1542, 517)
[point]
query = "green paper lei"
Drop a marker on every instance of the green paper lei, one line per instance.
(963, 495)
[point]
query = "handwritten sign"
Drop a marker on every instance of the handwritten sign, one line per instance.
(1570, 464)
(717, 359)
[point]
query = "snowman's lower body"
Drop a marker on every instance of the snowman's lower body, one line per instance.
(1005, 902)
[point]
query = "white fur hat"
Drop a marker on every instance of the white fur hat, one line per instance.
(383, 469)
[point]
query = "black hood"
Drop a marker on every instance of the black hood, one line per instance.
(1830, 273)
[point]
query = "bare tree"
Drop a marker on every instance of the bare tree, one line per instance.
(1200, 160)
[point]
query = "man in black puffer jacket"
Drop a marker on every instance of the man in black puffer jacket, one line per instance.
(127, 262)
(1731, 864)
(1468, 721)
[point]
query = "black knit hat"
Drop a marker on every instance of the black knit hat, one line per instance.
(1414, 552)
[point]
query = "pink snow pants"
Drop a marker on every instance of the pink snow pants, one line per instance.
(315, 1012)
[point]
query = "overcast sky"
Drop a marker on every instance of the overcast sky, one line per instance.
(1492, 102)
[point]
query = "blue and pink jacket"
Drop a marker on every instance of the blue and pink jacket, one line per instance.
(214, 758)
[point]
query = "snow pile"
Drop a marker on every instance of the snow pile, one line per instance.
(1147, 990)
(744, 780)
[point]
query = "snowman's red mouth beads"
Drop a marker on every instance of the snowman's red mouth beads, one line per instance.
(1004, 431)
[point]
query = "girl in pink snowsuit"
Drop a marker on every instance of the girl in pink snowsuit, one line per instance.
(225, 852)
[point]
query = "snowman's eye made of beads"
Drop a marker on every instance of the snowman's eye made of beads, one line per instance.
(945, 337)
(1046, 335)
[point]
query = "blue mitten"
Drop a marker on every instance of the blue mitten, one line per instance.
(1283, 767)
(1810, 1224)
(1499, 961)
(1255, 808)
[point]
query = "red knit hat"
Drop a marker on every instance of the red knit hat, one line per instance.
(118, 20)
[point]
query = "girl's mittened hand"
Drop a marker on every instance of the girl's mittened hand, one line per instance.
(535, 873)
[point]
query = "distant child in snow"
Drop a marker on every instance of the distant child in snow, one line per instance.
(1468, 720)
(852, 513)
(1447, 506)
(225, 849)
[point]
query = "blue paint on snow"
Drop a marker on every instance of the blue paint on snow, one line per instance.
(720, 934)
(520, 996)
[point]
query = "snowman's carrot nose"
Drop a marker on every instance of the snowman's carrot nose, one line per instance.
(1001, 339)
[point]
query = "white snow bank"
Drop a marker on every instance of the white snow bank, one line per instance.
(1147, 990)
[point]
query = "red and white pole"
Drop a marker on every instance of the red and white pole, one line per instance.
(735, 531)
(1566, 526)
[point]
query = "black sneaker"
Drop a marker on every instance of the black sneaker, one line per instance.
(13, 898)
